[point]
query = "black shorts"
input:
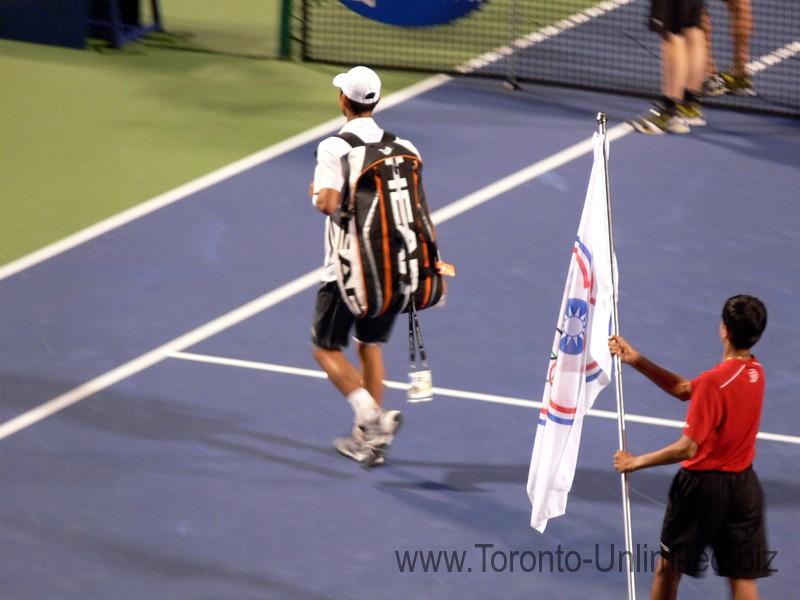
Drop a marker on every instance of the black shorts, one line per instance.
(724, 511)
(333, 321)
(673, 16)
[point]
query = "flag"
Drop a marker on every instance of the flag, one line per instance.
(580, 362)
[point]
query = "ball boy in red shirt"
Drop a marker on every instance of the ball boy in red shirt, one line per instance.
(715, 499)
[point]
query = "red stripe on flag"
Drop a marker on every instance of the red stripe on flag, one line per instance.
(582, 266)
(563, 409)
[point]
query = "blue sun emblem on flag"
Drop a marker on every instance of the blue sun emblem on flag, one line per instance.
(574, 333)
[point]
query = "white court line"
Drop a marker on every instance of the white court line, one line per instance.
(437, 391)
(158, 354)
(775, 57)
(206, 181)
(542, 34)
(284, 292)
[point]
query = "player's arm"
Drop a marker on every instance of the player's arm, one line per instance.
(673, 384)
(328, 181)
(683, 449)
(326, 200)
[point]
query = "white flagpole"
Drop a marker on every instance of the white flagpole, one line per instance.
(626, 496)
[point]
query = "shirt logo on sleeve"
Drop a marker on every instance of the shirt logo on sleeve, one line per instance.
(752, 374)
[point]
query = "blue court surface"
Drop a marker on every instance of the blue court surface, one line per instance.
(166, 434)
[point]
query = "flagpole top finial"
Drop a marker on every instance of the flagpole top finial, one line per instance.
(601, 122)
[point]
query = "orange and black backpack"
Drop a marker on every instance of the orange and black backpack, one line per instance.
(385, 250)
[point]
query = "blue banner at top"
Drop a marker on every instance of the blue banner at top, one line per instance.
(413, 13)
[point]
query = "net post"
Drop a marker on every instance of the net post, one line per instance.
(285, 49)
(510, 82)
(626, 496)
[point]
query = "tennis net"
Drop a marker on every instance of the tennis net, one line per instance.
(604, 46)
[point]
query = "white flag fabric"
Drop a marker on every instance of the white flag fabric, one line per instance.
(580, 363)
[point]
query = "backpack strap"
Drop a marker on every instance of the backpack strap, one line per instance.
(351, 138)
(355, 141)
(345, 210)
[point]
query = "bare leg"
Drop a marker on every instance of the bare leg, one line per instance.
(373, 369)
(711, 64)
(665, 582)
(741, 12)
(695, 59)
(675, 66)
(744, 589)
(340, 371)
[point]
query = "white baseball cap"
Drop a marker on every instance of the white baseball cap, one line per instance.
(359, 84)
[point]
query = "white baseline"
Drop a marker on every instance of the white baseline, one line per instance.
(480, 397)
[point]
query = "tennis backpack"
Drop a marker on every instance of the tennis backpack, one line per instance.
(385, 251)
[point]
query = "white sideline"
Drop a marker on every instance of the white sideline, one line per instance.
(206, 181)
(438, 391)
(285, 291)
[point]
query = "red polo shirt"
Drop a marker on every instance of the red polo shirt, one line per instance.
(724, 416)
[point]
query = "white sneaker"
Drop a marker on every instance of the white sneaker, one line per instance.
(354, 446)
(379, 430)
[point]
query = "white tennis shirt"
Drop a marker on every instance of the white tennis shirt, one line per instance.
(328, 173)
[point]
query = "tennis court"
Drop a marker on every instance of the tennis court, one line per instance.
(197, 462)
(166, 434)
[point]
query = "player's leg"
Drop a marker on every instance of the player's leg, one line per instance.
(339, 369)
(373, 369)
(330, 331)
(380, 427)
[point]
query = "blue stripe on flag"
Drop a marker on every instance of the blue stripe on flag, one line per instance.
(586, 252)
(560, 420)
(594, 375)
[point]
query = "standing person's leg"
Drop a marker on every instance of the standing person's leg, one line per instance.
(674, 66)
(737, 81)
(690, 108)
(713, 83)
(741, 12)
(695, 49)
(692, 16)
(665, 581)
(711, 63)
(663, 118)
(744, 589)
(740, 548)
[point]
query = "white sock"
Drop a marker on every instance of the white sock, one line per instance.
(363, 404)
